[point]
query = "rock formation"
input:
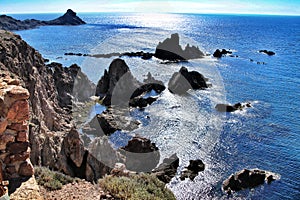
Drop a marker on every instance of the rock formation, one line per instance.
(14, 143)
(141, 155)
(248, 179)
(9, 23)
(184, 80)
(192, 170)
(167, 169)
(170, 49)
(118, 86)
(269, 53)
(220, 53)
(231, 108)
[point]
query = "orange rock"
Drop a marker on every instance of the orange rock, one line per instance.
(18, 93)
(26, 168)
(18, 126)
(22, 136)
(19, 111)
(3, 125)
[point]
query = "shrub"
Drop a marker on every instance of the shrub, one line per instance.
(51, 180)
(136, 187)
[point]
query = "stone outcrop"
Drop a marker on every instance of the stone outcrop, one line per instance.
(220, 53)
(246, 179)
(141, 155)
(14, 140)
(71, 84)
(269, 53)
(192, 170)
(118, 86)
(167, 169)
(9, 23)
(184, 80)
(232, 108)
(170, 49)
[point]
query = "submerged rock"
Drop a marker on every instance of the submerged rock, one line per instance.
(170, 49)
(141, 155)
(192, 170)
(248, 179)
(184, 80)
(167, 169)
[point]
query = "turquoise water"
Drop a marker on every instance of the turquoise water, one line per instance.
(265, 136)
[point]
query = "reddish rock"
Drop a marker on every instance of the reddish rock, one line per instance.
(18, 147)
(19, 111)
(26, 169)
(18, 157)
(10, 169)
(4, 139)
(18, 127)
(18, 93)
(3, 125)
(22, 136)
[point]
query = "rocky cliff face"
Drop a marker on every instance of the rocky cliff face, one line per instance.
(53, 141)
(14, 143)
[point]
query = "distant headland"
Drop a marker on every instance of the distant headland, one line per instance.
(10, 24)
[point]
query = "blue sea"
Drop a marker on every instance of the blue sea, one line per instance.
(265, 136)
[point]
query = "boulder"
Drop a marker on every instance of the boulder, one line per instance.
(246, 179)
(269, 53)
(231, 108)
(117, 86)
(219, 53)
(167, 169)
(184, 80)
(192, 170)
(141, 155)
(171, 50)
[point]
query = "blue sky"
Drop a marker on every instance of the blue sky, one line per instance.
(282, 7)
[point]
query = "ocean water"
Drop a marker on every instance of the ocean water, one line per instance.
(266, 136)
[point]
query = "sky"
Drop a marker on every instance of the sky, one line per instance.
(275, 7)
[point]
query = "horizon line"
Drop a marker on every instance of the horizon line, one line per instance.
(204, 13)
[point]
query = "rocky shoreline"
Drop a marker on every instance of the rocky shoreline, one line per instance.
(50, 131)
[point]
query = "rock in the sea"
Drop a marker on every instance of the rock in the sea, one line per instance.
(167, 169)
(141, 155)
(248, 179)
(118, 86)
(9, 23)
(184, 80)
(192, 170)
(231, 108)
(219, 53)
(69, 18)
(170, 49)
(269, 53)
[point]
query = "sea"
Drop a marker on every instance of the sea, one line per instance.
(265, 136)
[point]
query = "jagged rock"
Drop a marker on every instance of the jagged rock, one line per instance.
(269, 53)
(110, 121)
(184, 80)
(120, 170)
(141, 155)
(141, 102)
(219, 53)
(248, 179)
(71, 84)
(167, 169)
(26, 169)
(192, 170)
(170, 49)
(117, 86)
(231, 108)
(9, 23)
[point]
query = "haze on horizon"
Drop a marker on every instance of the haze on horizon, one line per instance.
(270, 7)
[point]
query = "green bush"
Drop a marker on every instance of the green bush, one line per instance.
(51, 180)
(136, 187)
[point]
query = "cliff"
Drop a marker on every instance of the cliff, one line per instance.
(9, 23)
(53, 140)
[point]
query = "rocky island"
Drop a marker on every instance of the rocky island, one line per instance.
(11, 24)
